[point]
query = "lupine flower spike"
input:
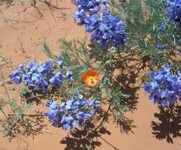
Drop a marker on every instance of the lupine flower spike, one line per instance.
(164, 88)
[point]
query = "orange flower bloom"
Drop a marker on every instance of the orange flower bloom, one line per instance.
(90, 77)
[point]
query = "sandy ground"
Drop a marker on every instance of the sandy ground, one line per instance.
(23, 30)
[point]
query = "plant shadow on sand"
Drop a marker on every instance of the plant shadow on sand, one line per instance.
(90, 136)
(130, 78)
(29, 126)
(87, 138)
(169, 125)
(15, 121)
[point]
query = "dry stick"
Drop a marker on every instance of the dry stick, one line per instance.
(115, 148)
(29, 115)
(5, 88)
(106, 113)
(52, 14)
(4, 114)
(53, 6)
(27, 144)
(34, 5)
(104, 117)
(7, 61)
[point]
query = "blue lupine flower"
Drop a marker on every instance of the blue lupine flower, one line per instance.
(68, 122)
(69, 75)
(71, 113)
(54, 113)
(164, 88)
(110, 31)
(86, 5)
(80, 15)
(26, 79)
(31, 67)
(174, 11)
(16, 77)
(81, 116)
(21, 67)
(57, 80)
(162, 27)
(81, 103)
(105, 29)
(92, 22)
(39, 77)
(60, 61)
(46, 68)
(39, 82)
(96, 106)
(162, 46)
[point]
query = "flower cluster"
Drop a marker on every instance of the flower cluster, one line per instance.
(165, 87)
(107, 30)
(71, 113)
(174, 11)
(39, 77)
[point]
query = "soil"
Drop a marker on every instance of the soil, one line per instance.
(23, 30)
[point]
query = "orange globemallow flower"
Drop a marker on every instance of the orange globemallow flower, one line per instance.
(90, 77)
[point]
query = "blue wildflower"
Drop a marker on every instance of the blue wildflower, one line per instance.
(162, 46)
(60, 61)
(39, 82)
(164, 87)
(54, 113)
(68, 122)
(110, 31)
(57, 80)
(87, 5)
(21, 67)
(69, 75)
(31, 67)
(81, 116)
(39, 77)
(162, 27)
(106, 30)
(96, 106)
(92, 22)
(26, 79)
(16, 77)
(80, 15)
(174, 11)
(71, 113)
(46, 68)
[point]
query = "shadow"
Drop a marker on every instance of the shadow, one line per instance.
(169, 125)
(132, 72)
(129, 71)
(91, 135)
(87, 138)
(26, 125)
(125, 124)
(34, 124)
(31, 96)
